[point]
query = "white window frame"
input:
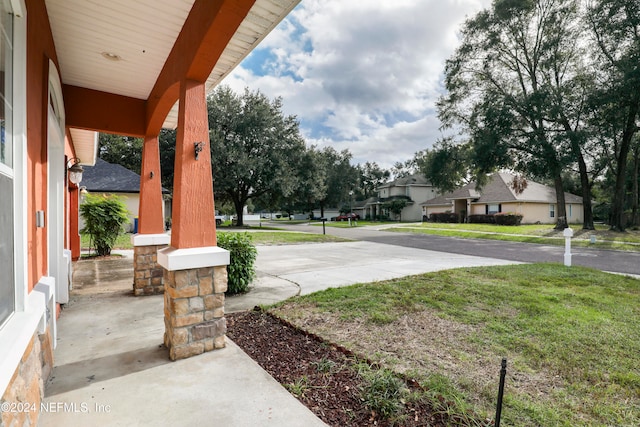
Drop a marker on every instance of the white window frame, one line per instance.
(552, 210)
(30, 308)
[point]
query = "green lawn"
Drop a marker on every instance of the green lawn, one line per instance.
(571, 337)
(258, 236)
(541, 234)
(123, 242)
(289, 238)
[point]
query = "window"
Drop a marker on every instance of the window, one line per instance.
(7, 277)
(552, 211)
(493, 209)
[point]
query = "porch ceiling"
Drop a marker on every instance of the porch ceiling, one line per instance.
(121, 46)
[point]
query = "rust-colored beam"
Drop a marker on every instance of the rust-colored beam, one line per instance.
(103, 112)
(206, 32)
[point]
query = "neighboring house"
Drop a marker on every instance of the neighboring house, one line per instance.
(109, 178)
(412, 189)
(71, 69)
(536, 204)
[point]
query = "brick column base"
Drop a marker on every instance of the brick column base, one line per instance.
(148, 274)
(194, 311)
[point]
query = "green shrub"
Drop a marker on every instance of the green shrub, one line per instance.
(241, 271)
(482, 219)
(508, 218)
(448, 217)
(382, 391)
(104, 218)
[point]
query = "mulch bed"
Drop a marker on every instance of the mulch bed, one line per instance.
(294, 358)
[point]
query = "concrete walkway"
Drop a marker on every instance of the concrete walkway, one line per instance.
(111, 368)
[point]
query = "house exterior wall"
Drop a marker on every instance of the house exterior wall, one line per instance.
(132, 201)
(26, 337)
(428, 210)
(535, 212)
(418, 194)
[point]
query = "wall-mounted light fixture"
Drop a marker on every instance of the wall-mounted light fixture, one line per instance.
(197, 147)
(75, 170)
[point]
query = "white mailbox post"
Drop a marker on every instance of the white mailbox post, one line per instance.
(568, 234)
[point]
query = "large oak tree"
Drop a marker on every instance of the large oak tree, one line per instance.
(255, 147)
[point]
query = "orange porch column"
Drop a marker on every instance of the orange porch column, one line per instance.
(74, 214)
(148, 274)
(195, 276)
(193, 215)
(151, 209)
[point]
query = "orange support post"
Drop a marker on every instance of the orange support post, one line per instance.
(73, 212)
(193, 214)
(150, 212)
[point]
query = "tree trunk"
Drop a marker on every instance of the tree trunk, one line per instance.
(561, 214)
(635, 219)
(239, 205)
(617, 208)
(617, 205)
(587, 209)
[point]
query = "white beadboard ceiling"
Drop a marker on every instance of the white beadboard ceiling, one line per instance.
(141, 33)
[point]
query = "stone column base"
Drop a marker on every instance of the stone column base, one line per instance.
(194, 300)
(148, 274)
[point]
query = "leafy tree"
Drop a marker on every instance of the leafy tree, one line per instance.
(447, 165)
(311, 173)
(503, 83)
(404, 169)
(341, 177)
(615, 25)
(122, 150)
(254, 147)
(104, 217)
(167, 145)
(371, 176)
(395, 207)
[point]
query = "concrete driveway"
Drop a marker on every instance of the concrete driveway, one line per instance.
(313, 267)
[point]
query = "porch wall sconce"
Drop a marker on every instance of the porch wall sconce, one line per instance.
(75, 170)
(198, 147)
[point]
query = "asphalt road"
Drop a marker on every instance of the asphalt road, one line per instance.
(606, 260)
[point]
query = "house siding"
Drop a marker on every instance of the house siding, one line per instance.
(27, 351)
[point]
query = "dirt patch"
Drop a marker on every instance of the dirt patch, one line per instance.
(321, 375)
(422, 344)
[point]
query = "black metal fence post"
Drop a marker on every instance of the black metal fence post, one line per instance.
(503, 374)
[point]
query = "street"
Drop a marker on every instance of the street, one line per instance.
(606, 260)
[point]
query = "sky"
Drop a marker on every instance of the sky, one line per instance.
(362, 75)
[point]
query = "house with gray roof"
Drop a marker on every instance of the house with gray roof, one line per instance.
(536, 203)
(110, 178)
(412, 189)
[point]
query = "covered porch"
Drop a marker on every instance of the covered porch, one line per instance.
(134, 71)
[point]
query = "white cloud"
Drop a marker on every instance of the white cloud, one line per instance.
(361, 75)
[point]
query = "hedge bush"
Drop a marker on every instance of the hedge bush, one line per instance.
(508, 218)
(448, 217)
(482, 219)
(241, 270)
(104, 218)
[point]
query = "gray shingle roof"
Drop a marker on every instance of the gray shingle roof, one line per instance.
(416, 179)
(110, 178)
(498, 190)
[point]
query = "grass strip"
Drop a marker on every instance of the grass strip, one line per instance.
(571, 335)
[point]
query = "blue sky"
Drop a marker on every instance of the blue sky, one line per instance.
(360, 74)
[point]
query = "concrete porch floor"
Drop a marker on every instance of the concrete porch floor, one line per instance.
(111, 368)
